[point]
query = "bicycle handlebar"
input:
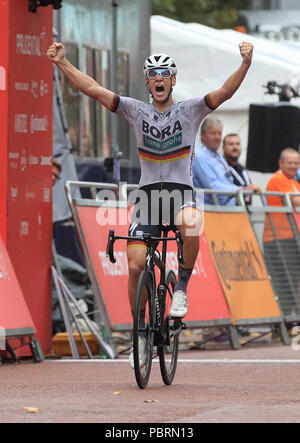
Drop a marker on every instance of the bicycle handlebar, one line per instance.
(146, 238)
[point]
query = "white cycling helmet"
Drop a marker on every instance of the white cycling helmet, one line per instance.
(160, 61)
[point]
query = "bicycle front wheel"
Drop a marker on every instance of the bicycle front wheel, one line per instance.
(143, 329)
(168, 350)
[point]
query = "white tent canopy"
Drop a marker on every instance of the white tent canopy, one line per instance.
(206, 57)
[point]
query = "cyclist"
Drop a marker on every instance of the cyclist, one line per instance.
(165, 132)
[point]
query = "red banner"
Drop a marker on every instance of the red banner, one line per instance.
(4, 49)
(27, 191)
(206, 300)
(14, 313)
(112, 277)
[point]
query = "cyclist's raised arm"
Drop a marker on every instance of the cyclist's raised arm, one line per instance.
(217, 97)
(81, 81)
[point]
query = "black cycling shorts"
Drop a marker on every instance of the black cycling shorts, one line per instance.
(157, 205)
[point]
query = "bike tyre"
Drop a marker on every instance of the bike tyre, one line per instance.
(168, 352)
(145, 283)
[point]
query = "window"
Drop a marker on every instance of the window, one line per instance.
(89, 122)
(95, 124)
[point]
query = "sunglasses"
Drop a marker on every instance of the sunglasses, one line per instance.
(165, 73)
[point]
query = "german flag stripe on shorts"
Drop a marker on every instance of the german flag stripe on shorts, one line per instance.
(136, 244)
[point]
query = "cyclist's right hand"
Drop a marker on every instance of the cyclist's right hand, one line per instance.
(56, 52)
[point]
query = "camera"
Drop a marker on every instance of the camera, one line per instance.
(285, 92)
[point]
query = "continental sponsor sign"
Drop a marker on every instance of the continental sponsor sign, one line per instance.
(240, 266)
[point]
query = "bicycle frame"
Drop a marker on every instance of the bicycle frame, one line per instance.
(152, 260)
(161, 330)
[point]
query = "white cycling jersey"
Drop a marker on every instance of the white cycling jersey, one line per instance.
(165, 140)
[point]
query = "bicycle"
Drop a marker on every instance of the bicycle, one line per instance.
(156, 326)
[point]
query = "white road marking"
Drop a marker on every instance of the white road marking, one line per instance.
(181, 360)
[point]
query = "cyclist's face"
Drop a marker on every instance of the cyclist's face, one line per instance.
(160, 87)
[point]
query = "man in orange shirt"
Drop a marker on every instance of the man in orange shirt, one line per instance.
(284, 179)
(281, 251)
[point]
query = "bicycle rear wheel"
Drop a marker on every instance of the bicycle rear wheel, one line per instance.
(168, 350)
(143, 327)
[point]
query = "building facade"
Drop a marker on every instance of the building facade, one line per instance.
(277, 20)
(274, 4)
(109, 40)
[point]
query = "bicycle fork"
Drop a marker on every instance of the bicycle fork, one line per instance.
(159, 315)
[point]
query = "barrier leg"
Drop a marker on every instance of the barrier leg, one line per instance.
(284, 335)
(12, 353)
(73, 346)
(36, 350)
(108, 348)
(234, 337)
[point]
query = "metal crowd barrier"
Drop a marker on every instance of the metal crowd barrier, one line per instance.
(289, 199)
(248, 289)
(278, 235)
(91, 190)
(207, 302)
(245, 287)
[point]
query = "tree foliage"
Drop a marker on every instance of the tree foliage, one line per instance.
(215, 13)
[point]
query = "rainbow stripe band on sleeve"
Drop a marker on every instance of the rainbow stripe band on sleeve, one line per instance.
(209, 103)
(116, 103)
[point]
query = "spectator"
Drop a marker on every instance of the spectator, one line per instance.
(56, 170)
(86, 149)
(210, 169)
(281, 252)
(284, 179)
(232, 150)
